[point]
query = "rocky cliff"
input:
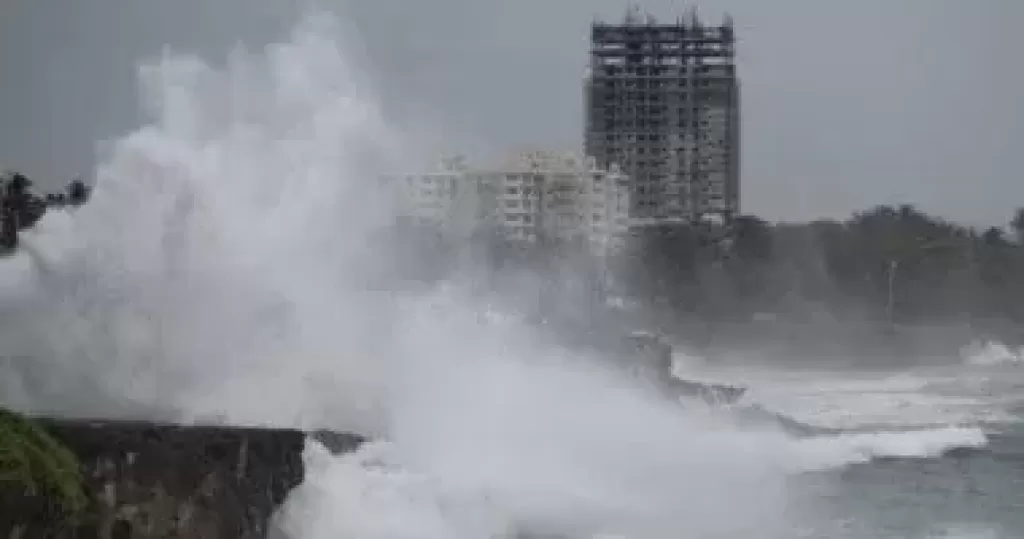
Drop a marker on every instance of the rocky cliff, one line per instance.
(146, 480)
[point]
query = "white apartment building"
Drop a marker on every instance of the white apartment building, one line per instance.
(439, 197)
(570, 199)
(532, 196)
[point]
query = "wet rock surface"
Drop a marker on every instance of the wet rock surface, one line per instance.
(147, 480)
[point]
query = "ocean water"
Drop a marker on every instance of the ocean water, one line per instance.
(224, 271)
(945, 445)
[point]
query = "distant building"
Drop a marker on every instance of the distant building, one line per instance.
(436, 197)
(663, 102)
(532, 197)
(562, 197)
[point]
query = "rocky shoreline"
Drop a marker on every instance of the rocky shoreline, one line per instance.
(144, 479)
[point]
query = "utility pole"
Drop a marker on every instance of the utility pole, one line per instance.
(891, 296)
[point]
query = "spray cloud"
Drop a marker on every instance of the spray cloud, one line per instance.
(226, 269)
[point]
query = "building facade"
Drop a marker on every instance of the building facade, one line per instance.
(563, 197)
(663, 102)
(532, 197)
(441, 198)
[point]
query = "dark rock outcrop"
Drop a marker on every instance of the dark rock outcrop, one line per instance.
(147, 480)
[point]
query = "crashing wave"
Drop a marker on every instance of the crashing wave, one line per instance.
(991, 353)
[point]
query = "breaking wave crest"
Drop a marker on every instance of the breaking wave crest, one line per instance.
(854, 448)
(992, 353)
(367, 494)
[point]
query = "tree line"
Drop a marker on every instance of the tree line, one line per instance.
(888, 264)
(897, 264)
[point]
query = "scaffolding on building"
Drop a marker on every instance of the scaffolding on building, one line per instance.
(662, 101)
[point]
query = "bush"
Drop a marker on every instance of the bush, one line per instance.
(34, 463)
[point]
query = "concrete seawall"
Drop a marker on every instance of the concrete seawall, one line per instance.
(147, 480)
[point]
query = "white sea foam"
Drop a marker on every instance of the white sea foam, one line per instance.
(992, 353)
(970, 531)
(884, 400)
(840, 450)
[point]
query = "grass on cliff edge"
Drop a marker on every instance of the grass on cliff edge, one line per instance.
(34, 460)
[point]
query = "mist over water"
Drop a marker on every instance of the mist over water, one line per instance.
(226, 269)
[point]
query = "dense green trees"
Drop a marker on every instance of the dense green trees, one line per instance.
(888, 261)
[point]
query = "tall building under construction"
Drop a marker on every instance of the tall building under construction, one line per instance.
(662, 101)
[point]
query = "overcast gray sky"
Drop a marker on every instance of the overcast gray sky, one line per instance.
(846, 103)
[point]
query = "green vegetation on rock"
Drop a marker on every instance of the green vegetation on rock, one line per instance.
(32, 460)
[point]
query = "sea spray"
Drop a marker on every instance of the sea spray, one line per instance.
(222, 270)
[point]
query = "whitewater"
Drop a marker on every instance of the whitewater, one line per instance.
(226, 270)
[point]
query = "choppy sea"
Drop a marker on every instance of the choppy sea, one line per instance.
(943, 482)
